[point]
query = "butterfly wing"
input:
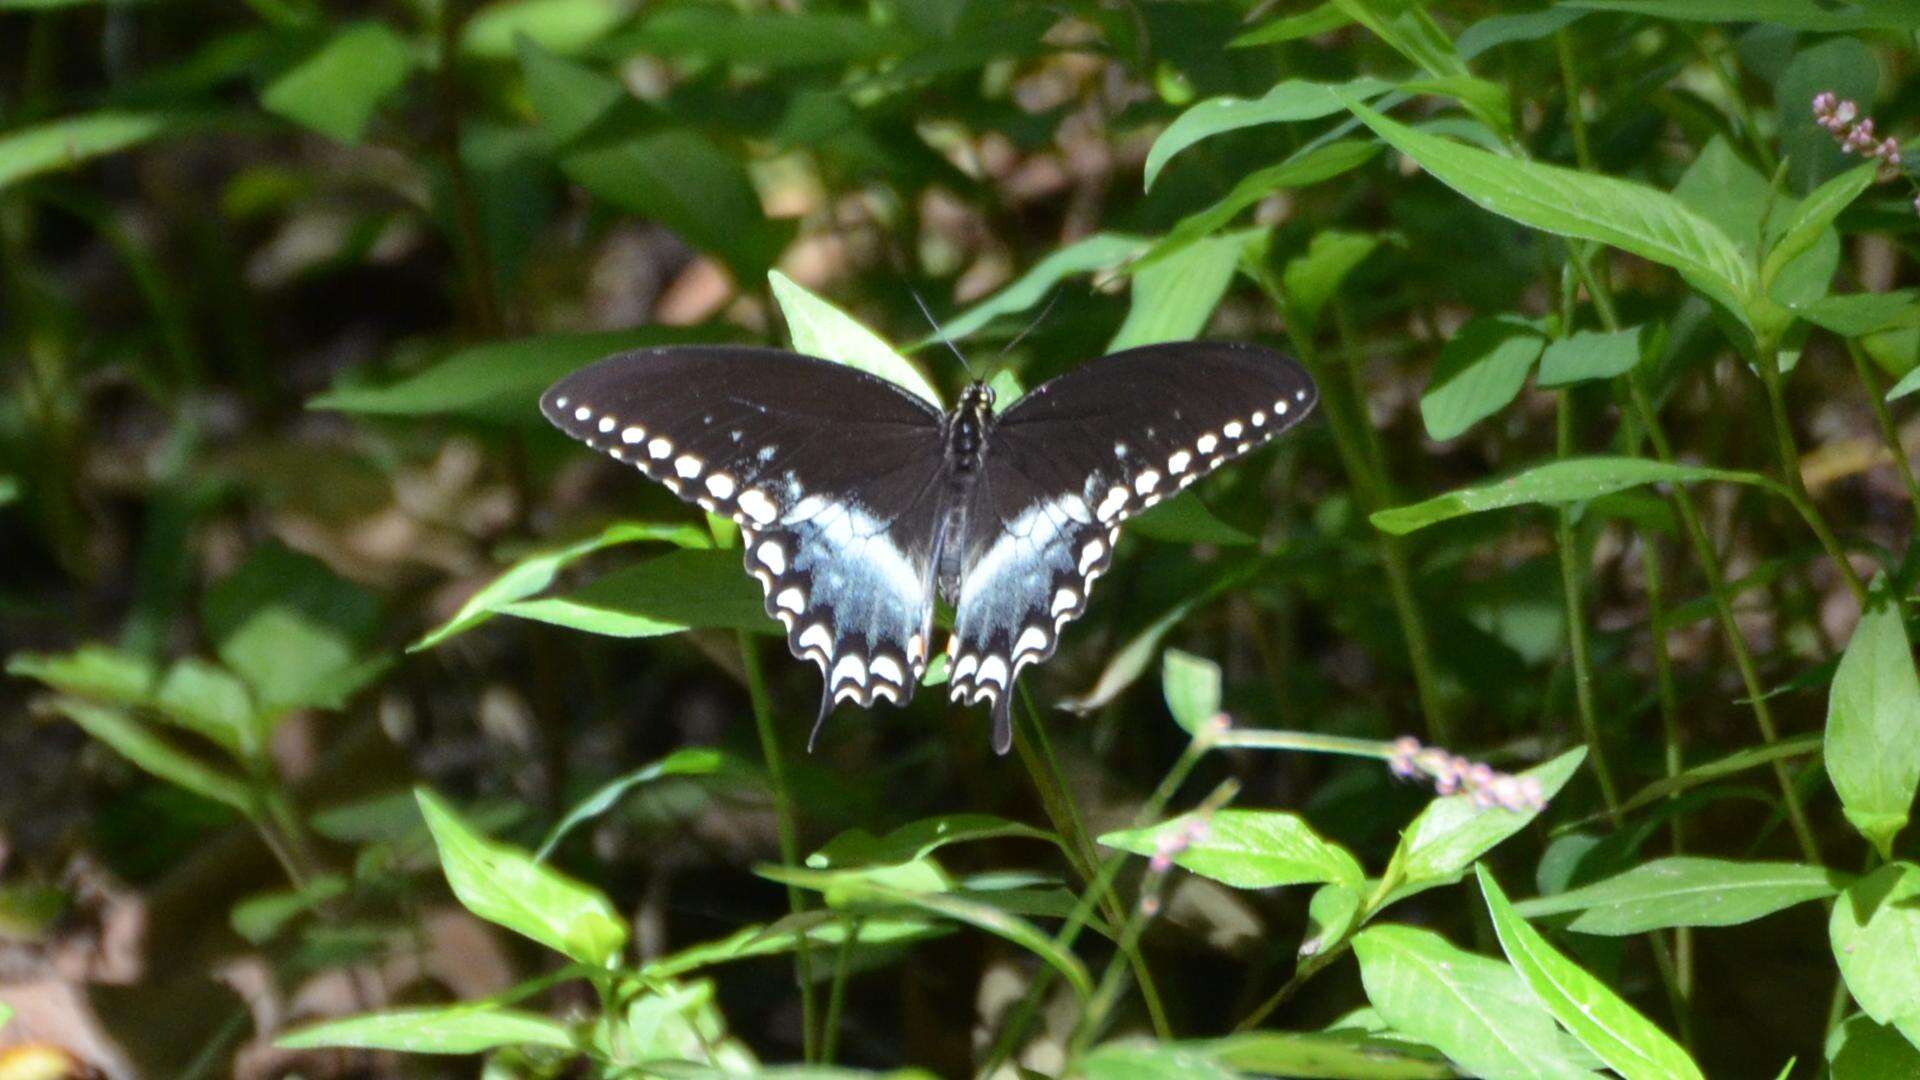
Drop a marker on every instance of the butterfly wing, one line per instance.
(1072, 460)
(833, 475)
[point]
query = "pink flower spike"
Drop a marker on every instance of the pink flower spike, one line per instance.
(1823, 102)
(1846, 111)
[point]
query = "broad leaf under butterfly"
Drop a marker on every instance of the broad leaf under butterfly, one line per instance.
(859, 501)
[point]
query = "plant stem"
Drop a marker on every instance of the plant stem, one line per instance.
(1884, 418)
(1578, 652)
(481, 283)
(1036, 752)
(784, 816)
(837, 996)
(1669, 699)
(1789, 453)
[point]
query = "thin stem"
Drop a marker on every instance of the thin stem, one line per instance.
(837, 996)
(1884, 418)
(1579, 654)
(1576, 115)
(1789, 453)
(1669, 699)
(788, 829)
(1036, 752)
(481, 283)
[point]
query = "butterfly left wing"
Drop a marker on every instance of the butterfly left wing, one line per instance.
(832, 474)
(1071, 461)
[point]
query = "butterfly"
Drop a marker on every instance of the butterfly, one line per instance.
(858, 500)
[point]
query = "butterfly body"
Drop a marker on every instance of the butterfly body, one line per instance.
(859, 502)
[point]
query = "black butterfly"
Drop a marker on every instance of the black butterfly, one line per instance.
(857, 499)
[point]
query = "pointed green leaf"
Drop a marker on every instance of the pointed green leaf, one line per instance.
(503, 885)
(1629, 1043)
(1589, 355)
(1249, 849)
(820, 329)
(1174, 298)
(1476, 1010)
(1687, 890)
(1873, 726)
(453, 1029)
(1304, 169)
(71, 140)
(1481, 369)
(1812, 217)
(1184, 519)
(1342, 1052)
(1554, 484)
(1290, 101)
(684, 590)
(1192, 688)
(1860, 1049)
(857, 848)
(820, 929)
(1452, 832)
(1567, 202)
(1101, 251)
(690, 761)
(1321, 19)
(139, 744)
(1313, 277)
(337, 88)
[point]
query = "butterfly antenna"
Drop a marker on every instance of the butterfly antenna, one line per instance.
(939, 330)
(1034, 325)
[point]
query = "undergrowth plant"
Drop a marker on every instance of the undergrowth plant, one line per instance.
(1545, 707)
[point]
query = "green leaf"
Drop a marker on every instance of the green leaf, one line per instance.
(1590, 355)
(209, 701)
(1908, 384)
(1860, 1049)
(1304, 169)
(1249, 849)
(1330, 915)
(1843, 65)
(1184, 519)
(1859, 314)
(138, 743)
(1012, 928)
(690, 761)
(294, 630)
(261, 917)
(1707, 772)
(94, 671)
(1192, 687)
(1354, 1054)
(1520, 26)
(1875, 933)
(1629, 1044)
(1452, 832)
(1143, 1060)
(673, 175)
(820, 329)
(684, 590)
(561, 27)
(67, 142)
(503, 885)
(535, 572)
(1812, 217)
(1409, 31)
(1322, 19)
(1313, 277)
(1554, 484)
(337, 88)
(1853, 15)
(1873, 727)
(1481, 369)
(1567, 202)
(857, 848)
(820, 929)
(1174, 298)
(1476, 1010)
(499, 381)
(1687, 890)
(1289, 101)
(1101, 251)
(452, 1029)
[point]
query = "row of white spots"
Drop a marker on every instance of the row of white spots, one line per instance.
(750, 506)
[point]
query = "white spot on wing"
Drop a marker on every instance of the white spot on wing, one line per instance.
(772, 556)
(993, 670)
(1111, 506)
(850, 669)
(633, 434)
(1207, 442)
(1280, 406)
(583, 414)
(1146, 481)
(687, 465)
(754, 503)
(1178, 463)
(1091, 554)
(791, 598)
(817, 637)
(884, 668)
(1032, 640)
(658, 448)
(606, 424)
(721, 484)
(1233, 430)
(1259, 419)
(1064, 600)
(964, 666)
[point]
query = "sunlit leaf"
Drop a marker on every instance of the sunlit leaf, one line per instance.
(141, 745)
(1174, 298)
(1588, 355)
(1192, 688)
(1313, 277)
(820, 329)
(1289, 101)
(1812, 217)
(1875, 932)
(259, 918)
(917, 840)
(337, 88)
(300, 634)
(684, 590)
(1247, 849)
(1101, 251)
(561, 27)
(504, 885)
(1860, 1049)
(1554, 484)
(1873, 726)
(1321, 19)
(1184, 519)
(1452, 831)
(1630, 1044)
(69, 141)
(819, 929)
(1854, 15)
(451, 1029)
(1687, 890)
(1481, 369)
(1310, 166)
(1146, 1060)
(690, 761)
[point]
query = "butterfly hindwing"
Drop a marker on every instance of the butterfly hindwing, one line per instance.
(832, 474)
(1071, 461)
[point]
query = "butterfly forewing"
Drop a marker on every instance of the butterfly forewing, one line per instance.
(1071, 461)
(833, 475)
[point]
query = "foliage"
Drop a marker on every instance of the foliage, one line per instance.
(406, 727)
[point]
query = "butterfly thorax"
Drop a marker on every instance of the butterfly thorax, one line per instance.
(967, 428)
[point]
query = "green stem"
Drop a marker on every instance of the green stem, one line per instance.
(784, 816)
(1789, 454)
(1579, 654)
(1675, 761)
(837, 996)
(1036, 752)
(1884, 418)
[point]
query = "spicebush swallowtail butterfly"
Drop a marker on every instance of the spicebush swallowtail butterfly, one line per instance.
(857, 499)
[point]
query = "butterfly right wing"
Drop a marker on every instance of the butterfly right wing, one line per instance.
(834, 476)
